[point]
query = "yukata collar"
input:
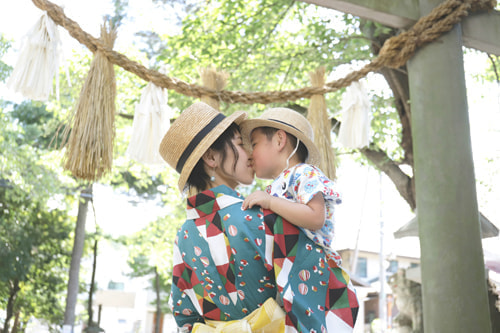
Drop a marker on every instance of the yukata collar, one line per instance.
(289, 170)
(210, 201)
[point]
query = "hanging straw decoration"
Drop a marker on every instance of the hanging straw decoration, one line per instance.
(151, 121)
(89, 152)
(321, 124)
(355, 127)
(212, 79)
(38, 61)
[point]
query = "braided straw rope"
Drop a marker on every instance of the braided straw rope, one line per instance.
(212, 79)
(318, 117)
(394, 53)
(89, 152)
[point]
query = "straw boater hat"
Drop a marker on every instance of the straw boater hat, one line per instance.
(190, 136)
(291, 122)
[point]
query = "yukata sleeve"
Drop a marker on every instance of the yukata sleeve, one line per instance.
(185, 312)
(316, 297)
(309, 181)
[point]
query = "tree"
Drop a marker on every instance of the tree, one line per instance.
(272, 45)
(34, 227)
(5, 69)
(34, 216)
(265, 45)
(33, 129)
(160, 284)
(150, 252)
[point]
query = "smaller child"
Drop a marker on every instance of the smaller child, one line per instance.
(282, 143)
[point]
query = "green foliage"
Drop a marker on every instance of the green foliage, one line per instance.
(386, 127)
(264, 45)
(34, 236)
(5, 69)
(269, 45)
(38, 126)
(150, 252)
(493, 73)
(120, 14)
(150, 249)
(143, 184)
(35, 224)
(36, 251)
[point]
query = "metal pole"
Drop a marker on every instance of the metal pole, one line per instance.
(382, 301)
(453, 278)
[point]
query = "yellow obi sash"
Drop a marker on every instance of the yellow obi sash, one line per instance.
(269, 318)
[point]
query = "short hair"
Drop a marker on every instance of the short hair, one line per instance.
(301, 152)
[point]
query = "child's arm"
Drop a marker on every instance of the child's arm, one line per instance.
(310, 216)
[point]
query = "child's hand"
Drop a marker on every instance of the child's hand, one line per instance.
(258, 198)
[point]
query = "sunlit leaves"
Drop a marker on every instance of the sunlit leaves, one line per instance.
(264, 45)
(5, 69)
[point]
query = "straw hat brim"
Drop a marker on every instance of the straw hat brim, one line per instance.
(249, 125)
(237, 117)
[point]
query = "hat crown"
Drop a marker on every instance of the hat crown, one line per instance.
(192, 134)
(291, 122)
(184, 129)
(291, 119)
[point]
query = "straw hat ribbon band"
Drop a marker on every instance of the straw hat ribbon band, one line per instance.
(196, 140)
(285, 123)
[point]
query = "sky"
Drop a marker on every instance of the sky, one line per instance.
(368, 197)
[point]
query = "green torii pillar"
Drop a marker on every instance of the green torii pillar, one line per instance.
(453, 275)
(454, 286)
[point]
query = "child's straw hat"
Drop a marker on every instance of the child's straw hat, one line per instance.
(190, 136)
(291, 122)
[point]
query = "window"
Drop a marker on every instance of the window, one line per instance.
(393, 266)
(112, 285)
(361, 267)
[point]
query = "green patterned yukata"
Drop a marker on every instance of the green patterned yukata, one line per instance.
(227, 262)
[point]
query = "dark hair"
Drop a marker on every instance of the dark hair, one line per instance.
(199, 179)
(301, 152)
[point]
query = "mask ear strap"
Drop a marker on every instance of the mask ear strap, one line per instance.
(292, 153)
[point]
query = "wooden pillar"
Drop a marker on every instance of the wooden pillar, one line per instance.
(453, 276)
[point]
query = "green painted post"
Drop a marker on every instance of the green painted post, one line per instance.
(453, 276)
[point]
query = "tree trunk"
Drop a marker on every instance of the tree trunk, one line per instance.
(15, 327)
(397, 79)
(158, 307)
(76, 256)
(91, 290)
(24, 324)
(405, 184)
(14, 289)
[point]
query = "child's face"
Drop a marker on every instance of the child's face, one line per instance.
(264, 155)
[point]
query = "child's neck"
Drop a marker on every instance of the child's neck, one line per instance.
(283, 165)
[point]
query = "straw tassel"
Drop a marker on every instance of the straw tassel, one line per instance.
(38, 61)
(214, 80)
(355, 127)
(89, 152)
(151, 122)
(321, 124)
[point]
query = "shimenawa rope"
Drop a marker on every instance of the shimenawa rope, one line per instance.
(394, 53)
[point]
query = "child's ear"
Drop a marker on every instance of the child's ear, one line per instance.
(210, 158)
(281, 139)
